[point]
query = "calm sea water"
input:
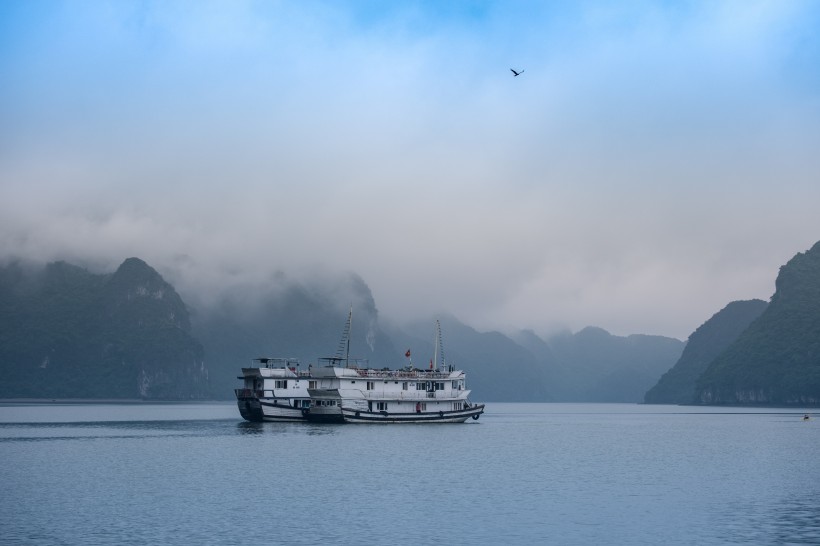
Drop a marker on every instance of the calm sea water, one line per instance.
(522, 474)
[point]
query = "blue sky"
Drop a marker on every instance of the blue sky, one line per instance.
(655, 161)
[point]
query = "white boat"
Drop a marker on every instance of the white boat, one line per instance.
(274, 389)
(347, 390)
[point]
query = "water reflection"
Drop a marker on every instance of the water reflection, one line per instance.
(246, 427)
(113, 430)
(322, 429)
(118, 430)
(310, 429)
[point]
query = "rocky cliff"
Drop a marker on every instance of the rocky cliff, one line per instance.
(776, 360)
(677, 386)
(68, 333)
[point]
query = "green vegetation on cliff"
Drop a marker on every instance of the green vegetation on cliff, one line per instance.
(677, 386)
(68, 333)
(776, 360)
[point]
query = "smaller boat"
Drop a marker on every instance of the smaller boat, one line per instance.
(274, 389)
(351, 394)
(349, 391)
(806, 417)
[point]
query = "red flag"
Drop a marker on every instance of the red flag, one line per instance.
(431, 363)
(407, 354)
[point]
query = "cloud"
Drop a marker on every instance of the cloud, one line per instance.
(653, 162)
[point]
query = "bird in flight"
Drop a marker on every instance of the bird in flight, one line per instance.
(516, 73)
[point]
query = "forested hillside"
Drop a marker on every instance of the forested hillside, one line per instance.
(776, 360)
(68, 333)
(677, 386)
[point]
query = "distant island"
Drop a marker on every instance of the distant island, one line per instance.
(68, 333)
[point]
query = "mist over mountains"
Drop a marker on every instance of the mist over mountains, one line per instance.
(68, 333)
(593, 365)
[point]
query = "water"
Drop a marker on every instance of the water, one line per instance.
(522, 474)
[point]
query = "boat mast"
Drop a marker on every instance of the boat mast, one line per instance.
(349, 326)
(343, 351)
(435, 345)
(439, 346)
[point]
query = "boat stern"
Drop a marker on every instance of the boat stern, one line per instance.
(249, 406)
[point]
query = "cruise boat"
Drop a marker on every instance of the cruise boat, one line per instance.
(274, 389)
(348, 390)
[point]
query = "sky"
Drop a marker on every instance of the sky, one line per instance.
(653, 162)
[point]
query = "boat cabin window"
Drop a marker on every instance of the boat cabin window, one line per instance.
(420, 386)
(404, 386)
(281, 383)
(311, 384)
(381, 406)
(371, 385)
(439, 386)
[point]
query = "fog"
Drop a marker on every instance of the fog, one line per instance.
(652, 163)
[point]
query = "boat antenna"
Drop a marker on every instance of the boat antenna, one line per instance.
(343, 350)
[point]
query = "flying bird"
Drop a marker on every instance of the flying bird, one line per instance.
(516, 73)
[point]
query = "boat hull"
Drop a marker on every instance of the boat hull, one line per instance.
(320, 415)
(259, 410)
(459, 416)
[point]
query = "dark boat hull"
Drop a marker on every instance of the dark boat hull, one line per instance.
(459, 416)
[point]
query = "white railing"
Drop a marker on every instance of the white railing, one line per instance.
(403, 374)
(411, 395)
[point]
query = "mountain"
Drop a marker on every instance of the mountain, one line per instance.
(498, 369)
(596, 366)
(776, 360)
(677, 386)
(68, 333)
(589, 366)
(289, 319)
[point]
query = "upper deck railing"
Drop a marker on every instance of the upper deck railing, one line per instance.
(414, 373)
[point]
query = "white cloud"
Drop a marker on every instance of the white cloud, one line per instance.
(650, 165)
